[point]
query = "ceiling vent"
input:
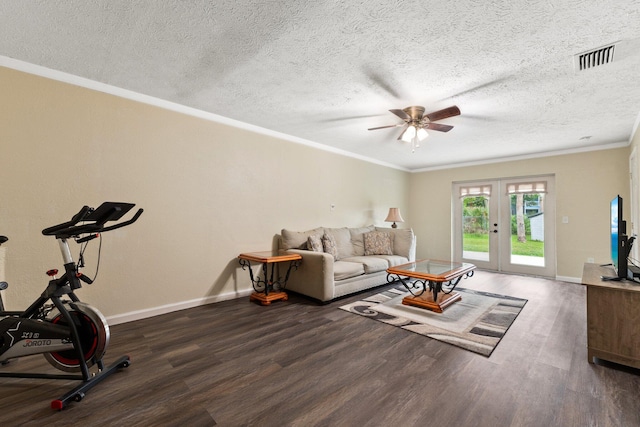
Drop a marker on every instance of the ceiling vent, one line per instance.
(594, 58)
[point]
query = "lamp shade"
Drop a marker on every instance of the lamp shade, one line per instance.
(394, 216)
(422, 134)
(409, 134)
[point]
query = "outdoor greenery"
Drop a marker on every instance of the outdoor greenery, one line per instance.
(529, 247)
(527, 225)
(476, 215)
(480, 243)
(476, 228)
(476, 242)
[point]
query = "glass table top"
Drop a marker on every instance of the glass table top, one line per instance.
(431, 269)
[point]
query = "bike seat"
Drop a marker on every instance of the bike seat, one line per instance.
(3, 239)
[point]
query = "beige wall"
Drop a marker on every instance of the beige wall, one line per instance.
(585, 184)
(210, 191)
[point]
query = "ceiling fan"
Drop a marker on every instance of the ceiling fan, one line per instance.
(416, 123)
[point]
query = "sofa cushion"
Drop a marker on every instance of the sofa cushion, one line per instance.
(330, 246)
(394, 260)
(371, 264)
(345, 269)
(378, 243)
(342, 238)
(402, 240)
(314, 243)
(298, 239)
(357, 239)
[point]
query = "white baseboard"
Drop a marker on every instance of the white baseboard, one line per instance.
(569, 279)
(169, 308)
(183, 305)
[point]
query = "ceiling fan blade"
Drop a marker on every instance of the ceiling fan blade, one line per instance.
(345, 118)
(383, 80)
(480, 87)
(384, 127)
(443, 114)
(401, 114)
(439, 127)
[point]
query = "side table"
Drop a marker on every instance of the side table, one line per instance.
(268, 288)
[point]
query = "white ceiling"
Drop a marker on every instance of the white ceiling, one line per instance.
(325, 71)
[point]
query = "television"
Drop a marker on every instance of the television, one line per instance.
(618, 235)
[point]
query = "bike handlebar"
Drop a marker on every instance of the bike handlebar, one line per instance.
(94, 220)
(51, 231)
(124, 224)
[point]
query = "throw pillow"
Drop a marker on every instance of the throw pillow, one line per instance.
(314, 243)
(330, 246)
(357, 239)
(378, 243)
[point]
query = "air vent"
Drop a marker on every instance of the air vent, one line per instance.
(594, 58)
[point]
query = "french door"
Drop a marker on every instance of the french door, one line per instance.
(506, 224)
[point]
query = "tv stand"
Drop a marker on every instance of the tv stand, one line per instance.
(633, 271)
(613, 319)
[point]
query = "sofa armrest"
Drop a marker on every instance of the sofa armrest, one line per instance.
(412, 251)
(314, 276)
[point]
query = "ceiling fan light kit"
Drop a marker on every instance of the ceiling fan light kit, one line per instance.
(409, 134)
(422, 134)
(414, 135)
(416, 123)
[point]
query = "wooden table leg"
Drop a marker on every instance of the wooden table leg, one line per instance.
(426, 301)
(265, 299)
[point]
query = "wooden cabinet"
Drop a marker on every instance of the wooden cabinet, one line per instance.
(613, 317)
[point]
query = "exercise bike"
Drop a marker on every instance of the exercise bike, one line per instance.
(72, 336)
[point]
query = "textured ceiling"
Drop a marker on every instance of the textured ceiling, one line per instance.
(325, 71)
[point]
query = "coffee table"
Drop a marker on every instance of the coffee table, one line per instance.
(268, 287)
(435, 276)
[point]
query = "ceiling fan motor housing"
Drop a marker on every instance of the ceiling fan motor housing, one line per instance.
(415, 112)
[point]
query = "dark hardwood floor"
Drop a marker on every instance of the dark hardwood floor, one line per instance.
(298, 363)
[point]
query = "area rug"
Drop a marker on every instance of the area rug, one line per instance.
(476, 323)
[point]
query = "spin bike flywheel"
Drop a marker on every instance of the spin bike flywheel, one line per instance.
(94, 337)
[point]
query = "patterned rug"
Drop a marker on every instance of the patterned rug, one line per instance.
(476, 323)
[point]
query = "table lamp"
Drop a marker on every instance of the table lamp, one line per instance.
(394, 216)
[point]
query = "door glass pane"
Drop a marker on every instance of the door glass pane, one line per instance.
(527, 229)
(475, 228)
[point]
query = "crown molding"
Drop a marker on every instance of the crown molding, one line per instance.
(72, 79)
(611, 146)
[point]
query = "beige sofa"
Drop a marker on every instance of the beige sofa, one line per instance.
(341, 261)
